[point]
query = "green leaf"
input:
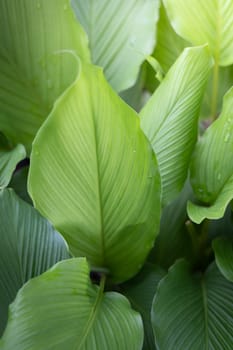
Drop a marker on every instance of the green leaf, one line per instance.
(93, 174)
(8, 161)
(29, 246)
(169, 119)
(211, 167)
(36, 62)
(174, 240)
(223, 249)
(121, 35)
(169, 45)
(62, 309)
(140, 292)
(193, 311)
(208, 22)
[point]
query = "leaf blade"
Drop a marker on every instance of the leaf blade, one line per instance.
(208, 22)
(207, 298)
(102, 321)
(29, 246)
(34, 71)
(105, 175)
(120, 35)
(164, 118)
(211, 168)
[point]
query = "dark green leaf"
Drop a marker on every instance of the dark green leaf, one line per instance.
(223, 249)
(140, 292)
(29, 246)
(193, 311)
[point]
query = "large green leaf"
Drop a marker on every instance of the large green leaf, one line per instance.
(203, 22)
(93, 174)
(8, 161)
(29, 246)
(211, 167)
(193, 311)
(223, 249)
(121, 34)
(169, 119)
(62, 309)
(140, 292)
(34, 69)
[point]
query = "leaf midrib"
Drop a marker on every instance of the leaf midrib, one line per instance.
(92, 317)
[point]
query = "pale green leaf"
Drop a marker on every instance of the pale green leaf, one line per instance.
(121, 35)
(8, 161)
(201, 22)
(193, 311)
(29, 246)
(93, 174)
(169, 45)
(62, 309)
(140, 292)
(36, 64)
(169, 119)
(211, 167)
(223, 249)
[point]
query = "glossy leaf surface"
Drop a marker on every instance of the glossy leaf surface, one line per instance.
(193, 311)
(121, 35)
(64, 304)
(36, 62)
(29, 246)
(169, 119)
(94, 176)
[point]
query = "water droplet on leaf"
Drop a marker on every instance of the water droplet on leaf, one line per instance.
(227, 136)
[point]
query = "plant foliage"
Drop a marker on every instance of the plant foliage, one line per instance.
(116, 175)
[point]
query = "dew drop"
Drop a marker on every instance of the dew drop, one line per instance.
(227, 136)
(219, 176)
(134, 151)
(65, 7)
(132, 41)
(38, 5)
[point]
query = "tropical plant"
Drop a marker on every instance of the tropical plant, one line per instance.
(116, 177)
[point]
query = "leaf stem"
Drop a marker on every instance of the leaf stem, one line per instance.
(102, 283)
(214, 97)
